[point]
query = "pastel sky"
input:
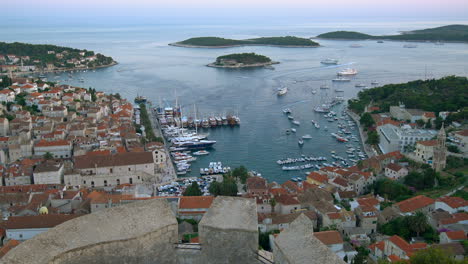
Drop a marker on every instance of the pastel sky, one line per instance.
(388, 8)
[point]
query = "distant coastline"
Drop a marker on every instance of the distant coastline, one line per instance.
(450, 33)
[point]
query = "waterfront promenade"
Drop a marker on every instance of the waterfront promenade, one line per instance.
(169, 173)
(370, 151)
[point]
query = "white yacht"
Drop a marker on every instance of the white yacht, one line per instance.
(341, 79)
(347, 72)
(307, 136)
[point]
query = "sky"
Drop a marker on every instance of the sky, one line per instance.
(353, 9)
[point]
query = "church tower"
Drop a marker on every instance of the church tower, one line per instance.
(440, 151)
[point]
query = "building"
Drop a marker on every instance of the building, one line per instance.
(424, 151)
(22, 228)
(256, 186)
(394, 171)
(194, 207)
(395, 248)
(333, 240)
(58, 148)
(451, 204)
(393, 138)
(418, 203)
(402, 113)
(452, 236)
(462, 137)
(48, 173)
(440, 151)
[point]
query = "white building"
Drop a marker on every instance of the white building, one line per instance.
(58, 148)
(394, 171)
(393, 138)
(7, 95)
(48, 173)
(452, 204)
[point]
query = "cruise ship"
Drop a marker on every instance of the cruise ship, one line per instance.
(347, 72)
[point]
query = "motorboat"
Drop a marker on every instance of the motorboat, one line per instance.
(314, 91)
(307, 136)
(295, 122)
(380, 41)
(329, 61)
(290, 117)
(356, 45)
(201, 152)
(287, 111)
(374, 83)
(300, 142)
(410, 46)
(347, 72)
(341, 79)
(323, 87)
(282, 91)
(360, 85)
(293, 130)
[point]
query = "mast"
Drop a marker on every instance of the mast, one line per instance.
(196, 127)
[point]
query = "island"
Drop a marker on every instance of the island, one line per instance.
(22, 58)
(455, 33)
(216, 42)
(242, 60)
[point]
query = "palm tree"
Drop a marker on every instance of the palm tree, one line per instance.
(273, 204)
(418, 222)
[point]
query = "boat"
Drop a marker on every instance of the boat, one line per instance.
(314, 91)
(323, 87)
(201, 152)
(438, 43)
(340, 79)
(347, 72)
(282, 91)
(356, 45)
(290, 117)
(380, 41)
(295, 122)
(374, 83)
(194, 144)
(360, 85)
(293, 130)
(316, 125)
(410, 46)
(307, 136)
(300, 142)
(288, 131)
(287, 111)
(322, 108)
(329, 61)
(140, 99)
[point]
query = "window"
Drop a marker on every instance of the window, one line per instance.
(92, 184)
(118, 181)
(21, 235)
(105, 183)
(130, 180)
(129, 169)
(111, 170)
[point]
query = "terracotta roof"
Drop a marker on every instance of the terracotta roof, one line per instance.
(405, 246)
(457, 217)
(278, 191)
(37, 221)
(456, 235)
(194, 202)
(341, 181)
(380, 245)
(288, 218)
(428, 143)
(256, 183)
(286, 199)
(371, 201)
(414, 203)
(347, 194)
(454, 202)
(329, 237)
(8, 246)
(119, 159)
(334, 215)
(394, 167)
(394, 258)
(318, 177)
(463, 133)
(44, 143)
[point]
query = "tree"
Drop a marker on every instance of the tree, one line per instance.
(193, 190)
(227, 188)
(361, 256)
(421, 181)
(433, 256)
(273, 204)
(241, 173)
(418, 222)
(48, 156)
(366, 120)
(215, 188)
(373, 138)
(453, 148)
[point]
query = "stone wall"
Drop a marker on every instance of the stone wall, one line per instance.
(140, 232)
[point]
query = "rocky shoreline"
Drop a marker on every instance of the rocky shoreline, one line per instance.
(240, 65)
(176, 44)
(66, 69)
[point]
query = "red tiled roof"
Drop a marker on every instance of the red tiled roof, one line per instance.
(286, 200)
(194, 202)
(457, 217)
(380, 245)
(371, 201)
(318, 177)
(329, 237)
(44, 143)
(341, 181)
(394, 167)
(463, 133)
(8, 246)
(429, 114)
(414, 203)
(37, 221)
(454, 202)
(428, 143)
(456, 235)
(394, 258)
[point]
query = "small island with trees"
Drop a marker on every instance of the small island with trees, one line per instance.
(453, 33)
(216, 42)
(26, 58)
(242, 60)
